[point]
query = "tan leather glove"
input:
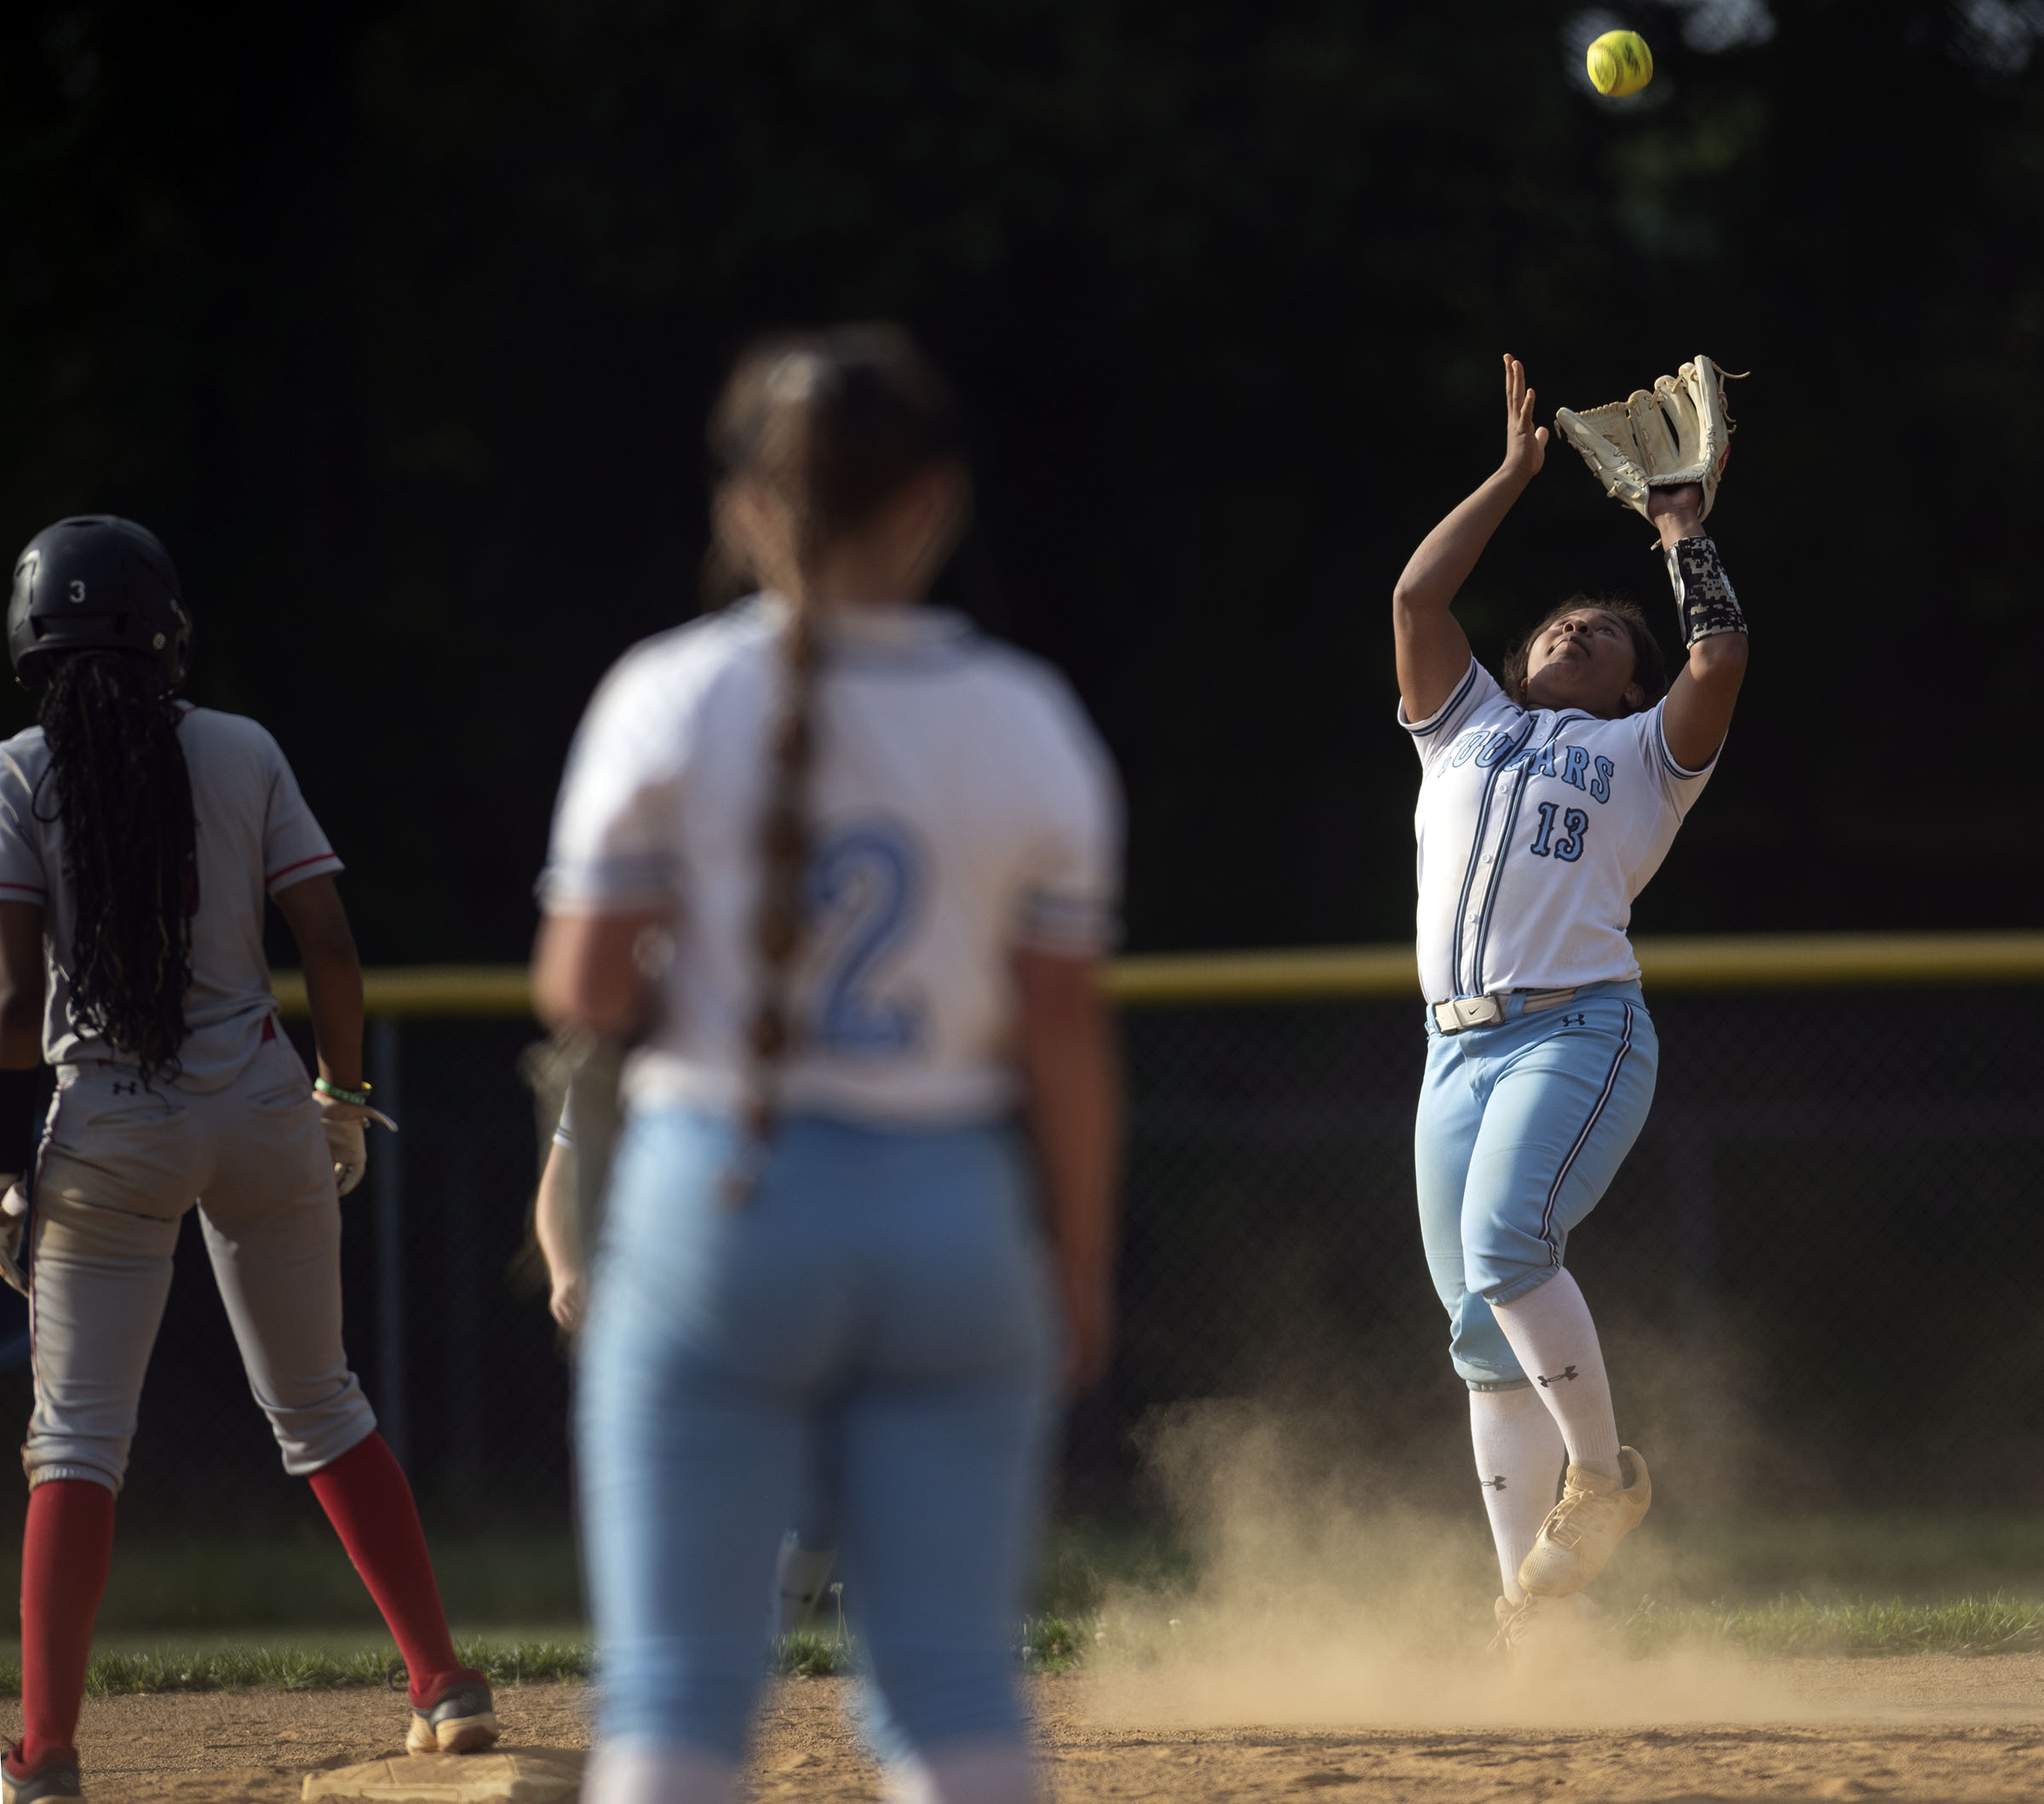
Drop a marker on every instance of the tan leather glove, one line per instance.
(1678, 431)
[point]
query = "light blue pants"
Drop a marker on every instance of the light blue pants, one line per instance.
(879, 1312)
(1521, 1128)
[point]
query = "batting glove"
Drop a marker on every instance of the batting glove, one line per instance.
(346, 1144)
(13, 1226)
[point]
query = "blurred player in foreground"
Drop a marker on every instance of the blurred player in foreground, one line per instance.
(807, 1552)
(139, 836)
(885, 853)
(1546, 802)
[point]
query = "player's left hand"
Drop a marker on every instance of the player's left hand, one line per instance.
(1089, 1326)
(346, 1143)
(1677, 510)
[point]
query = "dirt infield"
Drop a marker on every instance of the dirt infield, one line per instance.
(1909, 1730)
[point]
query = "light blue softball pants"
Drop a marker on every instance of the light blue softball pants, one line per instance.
(1521, 1128)
(877, 1318)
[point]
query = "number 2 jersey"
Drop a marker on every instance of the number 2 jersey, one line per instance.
(959, 805)
(1537, 829)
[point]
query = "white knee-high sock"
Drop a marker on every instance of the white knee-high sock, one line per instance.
(992, 1771)
(1518, 1460)
(1551, 1331)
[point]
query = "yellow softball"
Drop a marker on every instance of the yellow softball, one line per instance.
(1620, 63)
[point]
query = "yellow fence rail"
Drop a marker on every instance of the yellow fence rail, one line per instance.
(1766, 962)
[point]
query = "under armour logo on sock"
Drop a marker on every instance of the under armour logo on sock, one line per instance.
(126, 1090)
(1495, 1484)
(1575, 1020)
(1546, 1384)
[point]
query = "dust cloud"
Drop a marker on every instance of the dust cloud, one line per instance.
(1326, 1594)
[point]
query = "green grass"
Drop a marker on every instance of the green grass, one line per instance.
(222, 1664)
(1802, 1626)
(300, 1587)
(289, 1613)
(1784, 1627)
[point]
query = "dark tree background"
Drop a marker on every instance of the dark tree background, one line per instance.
(399, 323)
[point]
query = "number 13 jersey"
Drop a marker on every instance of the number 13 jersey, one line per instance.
(1537, 829)
(959, 805)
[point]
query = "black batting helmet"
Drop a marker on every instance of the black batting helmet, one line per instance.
(98, 583)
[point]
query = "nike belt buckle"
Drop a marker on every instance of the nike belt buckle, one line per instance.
(1463, 1012)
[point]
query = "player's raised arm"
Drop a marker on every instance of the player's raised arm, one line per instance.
(1701, 698)
(1433, 650)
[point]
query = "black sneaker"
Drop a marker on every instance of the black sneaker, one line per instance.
(56, 1778)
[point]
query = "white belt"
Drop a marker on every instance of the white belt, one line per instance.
(1461, 1013)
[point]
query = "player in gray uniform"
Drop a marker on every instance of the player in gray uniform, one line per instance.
(139, 836)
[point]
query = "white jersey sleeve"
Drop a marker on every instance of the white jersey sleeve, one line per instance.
(1476, 700)
(22, 877)
(1071, 866)
(613, 846)
(294, 846)
(1678, 783)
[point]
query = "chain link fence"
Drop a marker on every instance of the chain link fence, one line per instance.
(1815, 1274)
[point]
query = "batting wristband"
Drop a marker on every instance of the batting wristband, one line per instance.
(358, 1099)
(1704, 602)
(19, 1092)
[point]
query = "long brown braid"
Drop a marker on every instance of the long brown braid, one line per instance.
(833, 425)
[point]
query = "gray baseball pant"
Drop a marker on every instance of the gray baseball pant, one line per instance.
(121, 1165)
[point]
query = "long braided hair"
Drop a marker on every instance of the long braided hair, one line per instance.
(832, 426)
(130, 849)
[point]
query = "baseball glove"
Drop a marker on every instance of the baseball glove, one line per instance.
(1678, 431)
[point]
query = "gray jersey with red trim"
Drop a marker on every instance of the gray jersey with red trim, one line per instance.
(255, 836)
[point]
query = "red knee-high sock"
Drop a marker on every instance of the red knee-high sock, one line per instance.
(366, 1498)
(65, 1554)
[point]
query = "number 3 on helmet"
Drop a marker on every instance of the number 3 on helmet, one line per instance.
(96, 583)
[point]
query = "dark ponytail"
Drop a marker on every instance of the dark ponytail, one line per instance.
(835, 425)
(130, 849)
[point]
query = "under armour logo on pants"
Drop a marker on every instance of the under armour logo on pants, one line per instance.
(1549, 1383)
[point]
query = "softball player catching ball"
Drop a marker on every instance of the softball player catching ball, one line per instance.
(1546, 802)
(139, 836)
(884, 851)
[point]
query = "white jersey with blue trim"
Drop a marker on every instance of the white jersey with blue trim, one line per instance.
(1537, 829)
(960, 808)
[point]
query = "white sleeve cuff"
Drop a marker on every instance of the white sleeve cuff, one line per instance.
(1432, 724)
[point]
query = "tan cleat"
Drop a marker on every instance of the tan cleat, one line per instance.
(459, 1719)
(1595, 1513)
(1537, 1627)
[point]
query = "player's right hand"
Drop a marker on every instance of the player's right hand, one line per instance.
(1525, 443)
(569, 1302)
(13, 1226)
